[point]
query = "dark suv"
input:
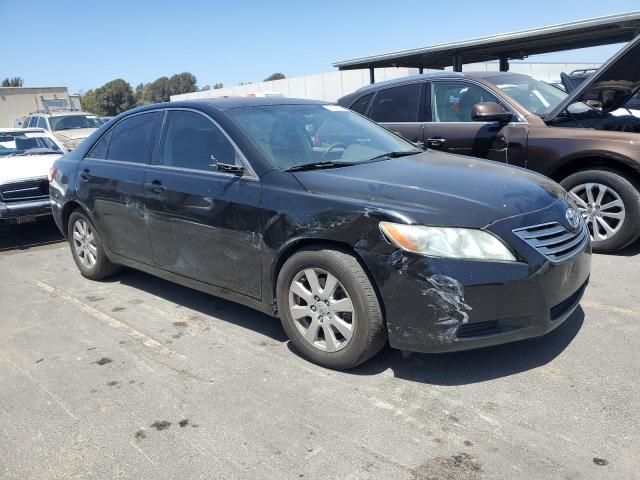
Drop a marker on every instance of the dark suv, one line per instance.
(593, 152)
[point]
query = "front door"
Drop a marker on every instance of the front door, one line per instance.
(452, 129)
(111, 184)
(400, 109)
(203, 223)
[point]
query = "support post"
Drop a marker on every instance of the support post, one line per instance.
(504, 64)
(457, 63)
(372, 75)
(421, 70)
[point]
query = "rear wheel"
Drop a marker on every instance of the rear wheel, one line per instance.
(87, 249)
(329, 308)
(610, 205)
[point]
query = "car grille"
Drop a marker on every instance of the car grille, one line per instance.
(25, 190)
(555, 241)
(563, 307)
(479, 329)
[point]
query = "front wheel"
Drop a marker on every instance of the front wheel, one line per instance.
(610, 205)
(329, 308)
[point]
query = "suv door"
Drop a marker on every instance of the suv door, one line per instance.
(452, 129)
(203, 223)
(111, 184)
(400, 109)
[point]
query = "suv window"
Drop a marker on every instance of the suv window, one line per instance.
(192, 141)
(361, 105)
(42, 123)
(99, 150)
(397, 104)
(453, 101)
(132, 139)
(32, 122)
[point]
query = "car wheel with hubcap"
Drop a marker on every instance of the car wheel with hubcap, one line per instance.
(609, 203)
(87, 249)
(329, 308)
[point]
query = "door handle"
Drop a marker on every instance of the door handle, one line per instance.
(435, 142)
(155, 187)
(85, 176)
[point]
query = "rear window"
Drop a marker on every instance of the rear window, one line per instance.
(397, 104)
(362, 104)
(133, 139)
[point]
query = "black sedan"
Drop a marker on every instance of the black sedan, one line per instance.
(310, 212)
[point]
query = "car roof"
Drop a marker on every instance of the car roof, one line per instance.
(446, 75)
(60, 113)
(22, 130)
(239, 102)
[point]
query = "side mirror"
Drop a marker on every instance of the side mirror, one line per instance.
(490, 112)
(230, 168)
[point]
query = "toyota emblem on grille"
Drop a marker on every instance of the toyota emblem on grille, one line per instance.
(572, 218)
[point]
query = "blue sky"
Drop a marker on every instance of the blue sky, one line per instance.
(83, 44)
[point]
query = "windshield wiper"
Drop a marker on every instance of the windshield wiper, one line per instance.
(318, 165)
(398, 154)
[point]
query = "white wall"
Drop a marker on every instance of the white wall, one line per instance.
(330, 86)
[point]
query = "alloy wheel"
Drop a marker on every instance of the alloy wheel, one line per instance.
(84, 243)
(601, 207)
(321, 309)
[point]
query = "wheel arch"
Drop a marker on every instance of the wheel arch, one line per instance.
(622, 165)
(68, 208)
(299, 244)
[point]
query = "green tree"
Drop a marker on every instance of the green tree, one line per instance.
(204, 88)
(156, 91)
(275, 76)
(218, 86)
(115, 97)
(12, 82)
(138, 93)
(89, 102)
(184, 82)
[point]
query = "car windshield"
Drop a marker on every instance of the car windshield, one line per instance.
(536, 96)
(294, 136)
(26, 143)
(70, 122)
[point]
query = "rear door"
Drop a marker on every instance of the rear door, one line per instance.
(111, 184)
(203, 223)
(400, 109)
(452, 129)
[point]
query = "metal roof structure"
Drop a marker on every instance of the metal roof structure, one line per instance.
(592, 32)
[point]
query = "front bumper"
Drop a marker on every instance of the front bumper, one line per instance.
(441, 305)
(17, 211)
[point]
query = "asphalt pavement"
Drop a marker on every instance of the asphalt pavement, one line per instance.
(139, 378)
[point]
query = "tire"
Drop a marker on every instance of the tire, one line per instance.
(331, 348)
(619, 187)
(100, 267)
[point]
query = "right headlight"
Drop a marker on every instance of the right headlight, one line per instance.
(447, 242)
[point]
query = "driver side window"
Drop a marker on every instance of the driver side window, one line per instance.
(453, 101)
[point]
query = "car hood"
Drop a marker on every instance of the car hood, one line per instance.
(438, 188)
(74, 134)
(613, 84)
(28, 166)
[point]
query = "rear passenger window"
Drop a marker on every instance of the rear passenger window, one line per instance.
(361, 105)
(99, 150)
(42, 123)
(132, 139)
(192, 141)
(397, 104)
(32, 122)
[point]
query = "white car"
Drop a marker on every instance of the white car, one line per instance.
(70, 127)
(26, 155)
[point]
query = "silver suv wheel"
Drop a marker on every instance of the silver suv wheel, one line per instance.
(601, 207)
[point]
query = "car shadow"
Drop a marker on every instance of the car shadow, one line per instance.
(203, 303)
(474, 366)
(458, 368)
(29, 235)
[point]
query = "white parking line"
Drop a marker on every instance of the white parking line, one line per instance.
(112, 322)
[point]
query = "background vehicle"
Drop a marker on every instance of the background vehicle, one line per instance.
(593, 152)
(25, 159)
(69, 126)
(573, 80)
(310, 212)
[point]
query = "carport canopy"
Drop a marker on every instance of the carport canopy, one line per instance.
(506, 46)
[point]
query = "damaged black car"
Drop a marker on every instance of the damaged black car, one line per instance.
(349, 234)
